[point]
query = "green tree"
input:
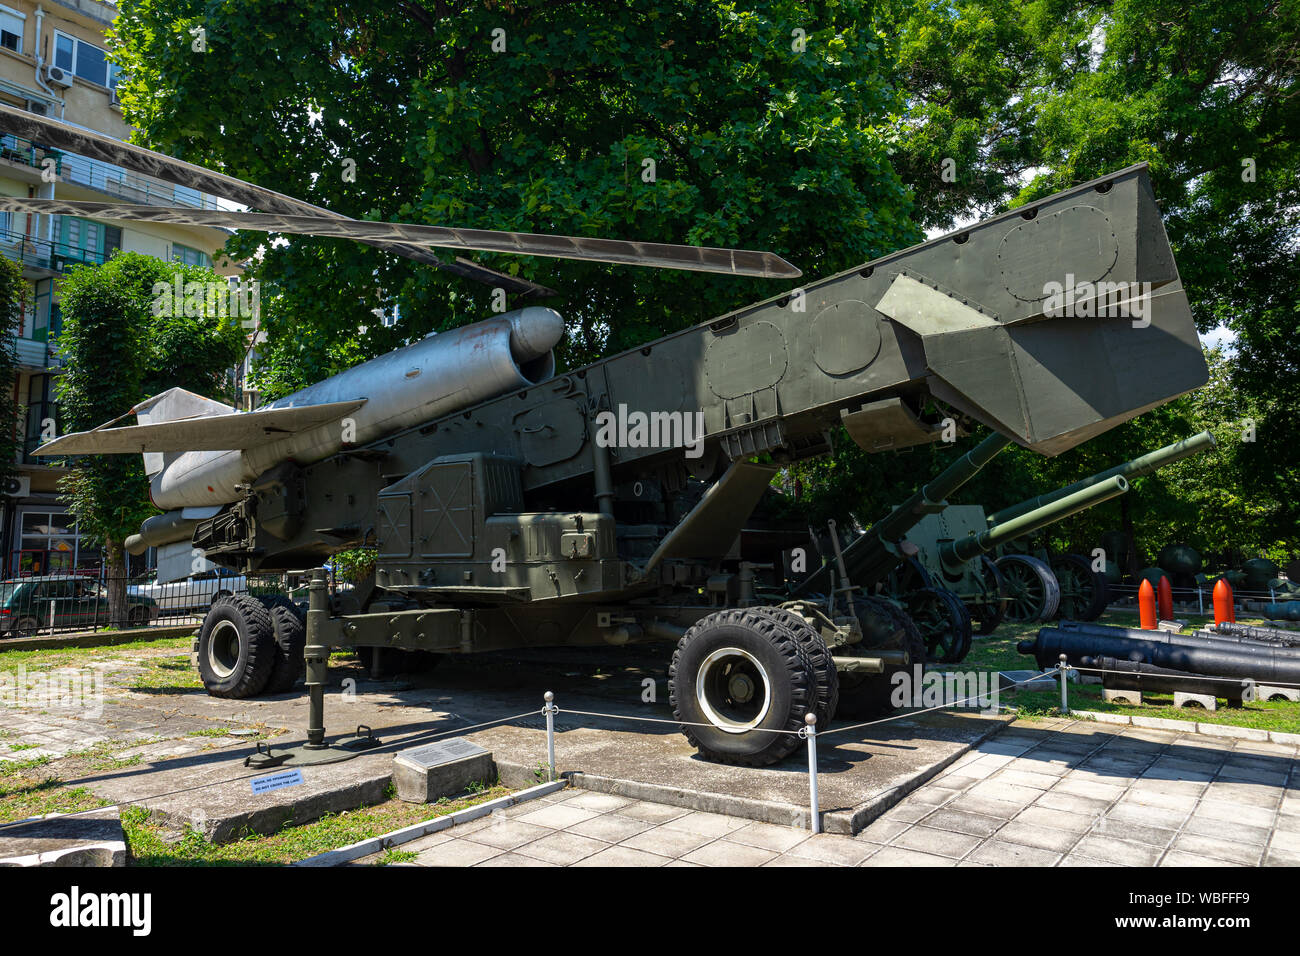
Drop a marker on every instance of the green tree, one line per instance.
(763, 121)
(117, 352)
(1026, 97)
(12, 290)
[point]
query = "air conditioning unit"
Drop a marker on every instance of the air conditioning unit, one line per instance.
(59, 76)
(39, 107)
(19, 487)
(113, 101)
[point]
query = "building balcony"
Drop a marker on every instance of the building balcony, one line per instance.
(102, 177)
(42, 258)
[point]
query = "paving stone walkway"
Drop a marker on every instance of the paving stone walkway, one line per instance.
(1050, 793)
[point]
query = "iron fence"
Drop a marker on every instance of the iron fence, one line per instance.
(68, 604)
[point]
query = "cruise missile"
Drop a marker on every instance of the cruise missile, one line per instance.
(199, 452)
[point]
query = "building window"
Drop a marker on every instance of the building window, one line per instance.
(188, 256)
(50, 543)
(93, 240)
(84, 60)
(41, 410)
(11, 29)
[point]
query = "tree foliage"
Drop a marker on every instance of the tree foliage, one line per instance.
(118, 352)
(1026, 97)
(12, 289)
(756, 141)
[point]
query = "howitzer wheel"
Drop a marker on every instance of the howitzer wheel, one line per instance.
(237, 647)
(1033, 593)
(944, 623)
(741, 684)
(1083, 590)
(866, 696)
(991, 607)
(828, 680)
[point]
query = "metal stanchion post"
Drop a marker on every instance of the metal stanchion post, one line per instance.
(549, 709)
(1065, 669)
(810, 733)
(1200, 600)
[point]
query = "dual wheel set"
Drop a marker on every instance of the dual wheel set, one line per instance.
(251, 645)
(742, 681)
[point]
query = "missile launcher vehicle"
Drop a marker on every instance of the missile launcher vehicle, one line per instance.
(602, 505)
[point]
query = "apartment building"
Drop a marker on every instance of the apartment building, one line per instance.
(53, 61)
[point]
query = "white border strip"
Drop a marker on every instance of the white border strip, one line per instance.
(1257, 734)
(375, 844)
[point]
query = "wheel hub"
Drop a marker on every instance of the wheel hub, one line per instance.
(223, 649)
(733, 690)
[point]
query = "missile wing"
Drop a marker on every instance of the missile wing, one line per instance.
(741, 262)
(236, 430)
(290, 215)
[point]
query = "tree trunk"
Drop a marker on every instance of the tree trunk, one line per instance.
(115, 582)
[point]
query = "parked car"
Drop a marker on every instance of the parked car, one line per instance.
(195, 593)
(25, 605)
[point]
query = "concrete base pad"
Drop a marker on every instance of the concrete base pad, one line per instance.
(1207, 701)
(93, 838)
(1267, 692)
(213, 793)
(863, 772)
(1121, 696)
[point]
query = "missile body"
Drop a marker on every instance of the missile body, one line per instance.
(422, 381)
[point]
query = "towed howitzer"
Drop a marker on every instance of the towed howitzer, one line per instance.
(559, 512)
(1043, 585)
(909, 552)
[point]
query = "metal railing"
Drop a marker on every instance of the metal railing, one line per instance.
(46, 253)
(103, 177)
(65, 604)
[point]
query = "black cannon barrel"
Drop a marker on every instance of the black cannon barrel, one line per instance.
(1137, 468)
(1198, 639)
(956, 553)
(1134, 675)
(872, 555)
(1268, 665)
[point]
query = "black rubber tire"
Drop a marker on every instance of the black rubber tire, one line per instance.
(793, 689)
(828, 679)
(865, 697)
(290, 639)
(137, 615)
(220, 596)
(25, 626)
(251, 666)
(1094, 600)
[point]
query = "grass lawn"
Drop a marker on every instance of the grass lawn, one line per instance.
(998, 652)
(292, 843)
(54, 657)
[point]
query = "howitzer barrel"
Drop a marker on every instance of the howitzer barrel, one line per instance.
(959, 552)
(1136, 468)
(870, 556)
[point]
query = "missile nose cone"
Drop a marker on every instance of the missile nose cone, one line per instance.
(534, 331)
